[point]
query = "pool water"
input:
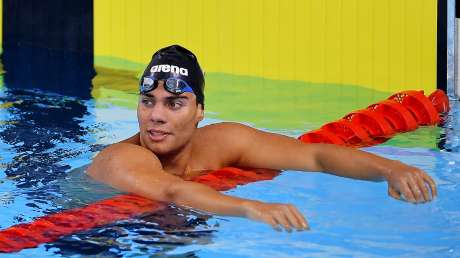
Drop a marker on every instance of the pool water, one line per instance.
(47, 140)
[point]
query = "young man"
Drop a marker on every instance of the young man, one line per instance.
(169, 149)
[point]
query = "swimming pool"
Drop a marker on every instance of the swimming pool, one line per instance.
(47, 139)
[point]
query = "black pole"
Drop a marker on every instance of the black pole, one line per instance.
(457, 9)
(441, 71)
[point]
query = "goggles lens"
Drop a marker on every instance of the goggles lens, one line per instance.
(172, 85)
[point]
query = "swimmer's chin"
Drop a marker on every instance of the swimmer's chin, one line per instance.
(159, 150)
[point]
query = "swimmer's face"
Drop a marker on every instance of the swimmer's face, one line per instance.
(167, 121)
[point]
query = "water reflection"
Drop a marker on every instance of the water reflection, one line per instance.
(157, 233)
(450, 138)
(37, 123)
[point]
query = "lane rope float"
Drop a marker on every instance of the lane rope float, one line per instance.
(402, 112)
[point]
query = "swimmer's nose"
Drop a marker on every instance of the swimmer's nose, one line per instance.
(157, 114)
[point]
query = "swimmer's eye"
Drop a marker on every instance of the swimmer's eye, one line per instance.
(175, 104)
(146, 102)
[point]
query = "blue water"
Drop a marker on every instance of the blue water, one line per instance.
(47, 139)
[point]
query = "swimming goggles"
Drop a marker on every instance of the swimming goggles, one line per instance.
(172, 85)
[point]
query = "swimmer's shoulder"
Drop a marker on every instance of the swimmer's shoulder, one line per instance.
(221, 144)
(224, 128)
(224, 132)
(128, 147)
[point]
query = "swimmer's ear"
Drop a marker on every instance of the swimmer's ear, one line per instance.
(199, 113)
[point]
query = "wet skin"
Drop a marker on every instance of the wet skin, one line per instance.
(169, 150)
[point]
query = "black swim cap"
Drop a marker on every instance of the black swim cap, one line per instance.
(178, 62)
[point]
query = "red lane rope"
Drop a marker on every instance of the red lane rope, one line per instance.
(367, 127)
(397, 115)
(401, 112)
(49, 228)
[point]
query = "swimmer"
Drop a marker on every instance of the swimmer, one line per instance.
(169, 149)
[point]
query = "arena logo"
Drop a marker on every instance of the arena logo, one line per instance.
(169, 69)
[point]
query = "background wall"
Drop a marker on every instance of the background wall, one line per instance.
(273, 63)
(381, 45)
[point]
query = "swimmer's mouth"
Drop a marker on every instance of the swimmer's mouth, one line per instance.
(157, 135)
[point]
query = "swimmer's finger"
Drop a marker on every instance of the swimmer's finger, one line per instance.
(292, 218)
(407, 192)
(424, 188)
(272, 222)
(414, 188)
(281, 219)
(302, 222)
(393, 193)
(432, 185)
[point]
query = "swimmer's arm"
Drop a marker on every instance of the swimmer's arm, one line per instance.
(275, 151)
(263, 149)
(133, 169)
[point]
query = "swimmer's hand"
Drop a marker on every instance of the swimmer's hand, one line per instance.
(278, 215)
(409, 182)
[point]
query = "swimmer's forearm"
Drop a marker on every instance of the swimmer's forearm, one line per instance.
(353, 163)
(404, 181)
(205, 198)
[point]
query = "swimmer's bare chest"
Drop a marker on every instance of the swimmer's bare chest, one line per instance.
(208, 154)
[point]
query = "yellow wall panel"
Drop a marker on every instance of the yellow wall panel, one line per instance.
(333, 40)
(301, 39)
(386, 45)
(380, 44)
(396, 43)
(349, 38)
(240, 28)
(318, 42)
(413, 34)
(428, 42)
(286, 39)
(210, 51)
(117, 21)
(271, 45)
(134, 32)
(365, 53)
(254, 40)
